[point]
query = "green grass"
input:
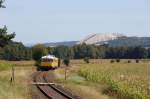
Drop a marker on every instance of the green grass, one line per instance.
(108, 80)
(78, 84)
(124, 81)
(4, 65)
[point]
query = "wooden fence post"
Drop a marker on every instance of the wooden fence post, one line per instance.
(12, 74)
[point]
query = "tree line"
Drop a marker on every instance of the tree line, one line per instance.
(100, 52)
(17, 51)
(10, 50)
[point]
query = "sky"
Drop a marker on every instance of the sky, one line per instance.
(40, 21)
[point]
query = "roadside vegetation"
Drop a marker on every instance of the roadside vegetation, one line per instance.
(19, 89)
(5, 65)
(118, 80)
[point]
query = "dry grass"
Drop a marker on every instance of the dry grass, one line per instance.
(23, 63)
(4, 65)
(20, 88)
(86, 92)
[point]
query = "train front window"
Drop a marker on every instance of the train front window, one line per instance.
(47, 60)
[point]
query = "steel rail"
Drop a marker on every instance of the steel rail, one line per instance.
(50, 91)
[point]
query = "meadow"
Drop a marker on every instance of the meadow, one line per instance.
(127, 79)
(100, 79)
(19, 89)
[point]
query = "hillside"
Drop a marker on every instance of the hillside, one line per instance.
(130, 41)
(111, 39)
(65, 43)
(100, 37)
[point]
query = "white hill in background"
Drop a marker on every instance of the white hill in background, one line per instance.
(100, 37)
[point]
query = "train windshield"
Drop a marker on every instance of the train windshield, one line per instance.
(47, 60)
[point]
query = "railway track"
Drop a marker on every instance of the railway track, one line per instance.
(49, 89)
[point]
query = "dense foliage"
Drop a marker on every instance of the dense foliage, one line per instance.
(10, 50)
(39, 51)
(130, 41)
(15, 51)
(121, 79)
(96, 52)
(5, 38)
(66, 61)
(1, 4)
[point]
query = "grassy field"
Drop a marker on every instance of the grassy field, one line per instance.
(5, 65)
(20, 88)
(102, 79)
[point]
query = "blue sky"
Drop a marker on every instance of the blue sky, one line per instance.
(38, 21)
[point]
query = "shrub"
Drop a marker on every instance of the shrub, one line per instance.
(117, 60)
(66, 61)
(86, 59)
(129, 61)
(112, 61)
(137, 61)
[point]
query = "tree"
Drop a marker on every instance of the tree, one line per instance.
(39, 50)
(101, 52)
(16, 51)
(66, 62)
(61, 51)
(140, 52)
(71, 53)
(1, 4)
(80, 51)
(91, 51)
(5, 38)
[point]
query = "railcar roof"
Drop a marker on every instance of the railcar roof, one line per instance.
(49, 57)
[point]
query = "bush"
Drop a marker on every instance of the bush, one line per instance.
(66, 61)
(137, 61)
(112, 61)
(129, 61)
(117, 60)
(86, 59)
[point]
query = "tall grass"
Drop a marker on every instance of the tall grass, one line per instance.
(19, 89)
(4, 65)
(124, 81)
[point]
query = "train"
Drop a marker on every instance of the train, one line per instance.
(49, 62)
